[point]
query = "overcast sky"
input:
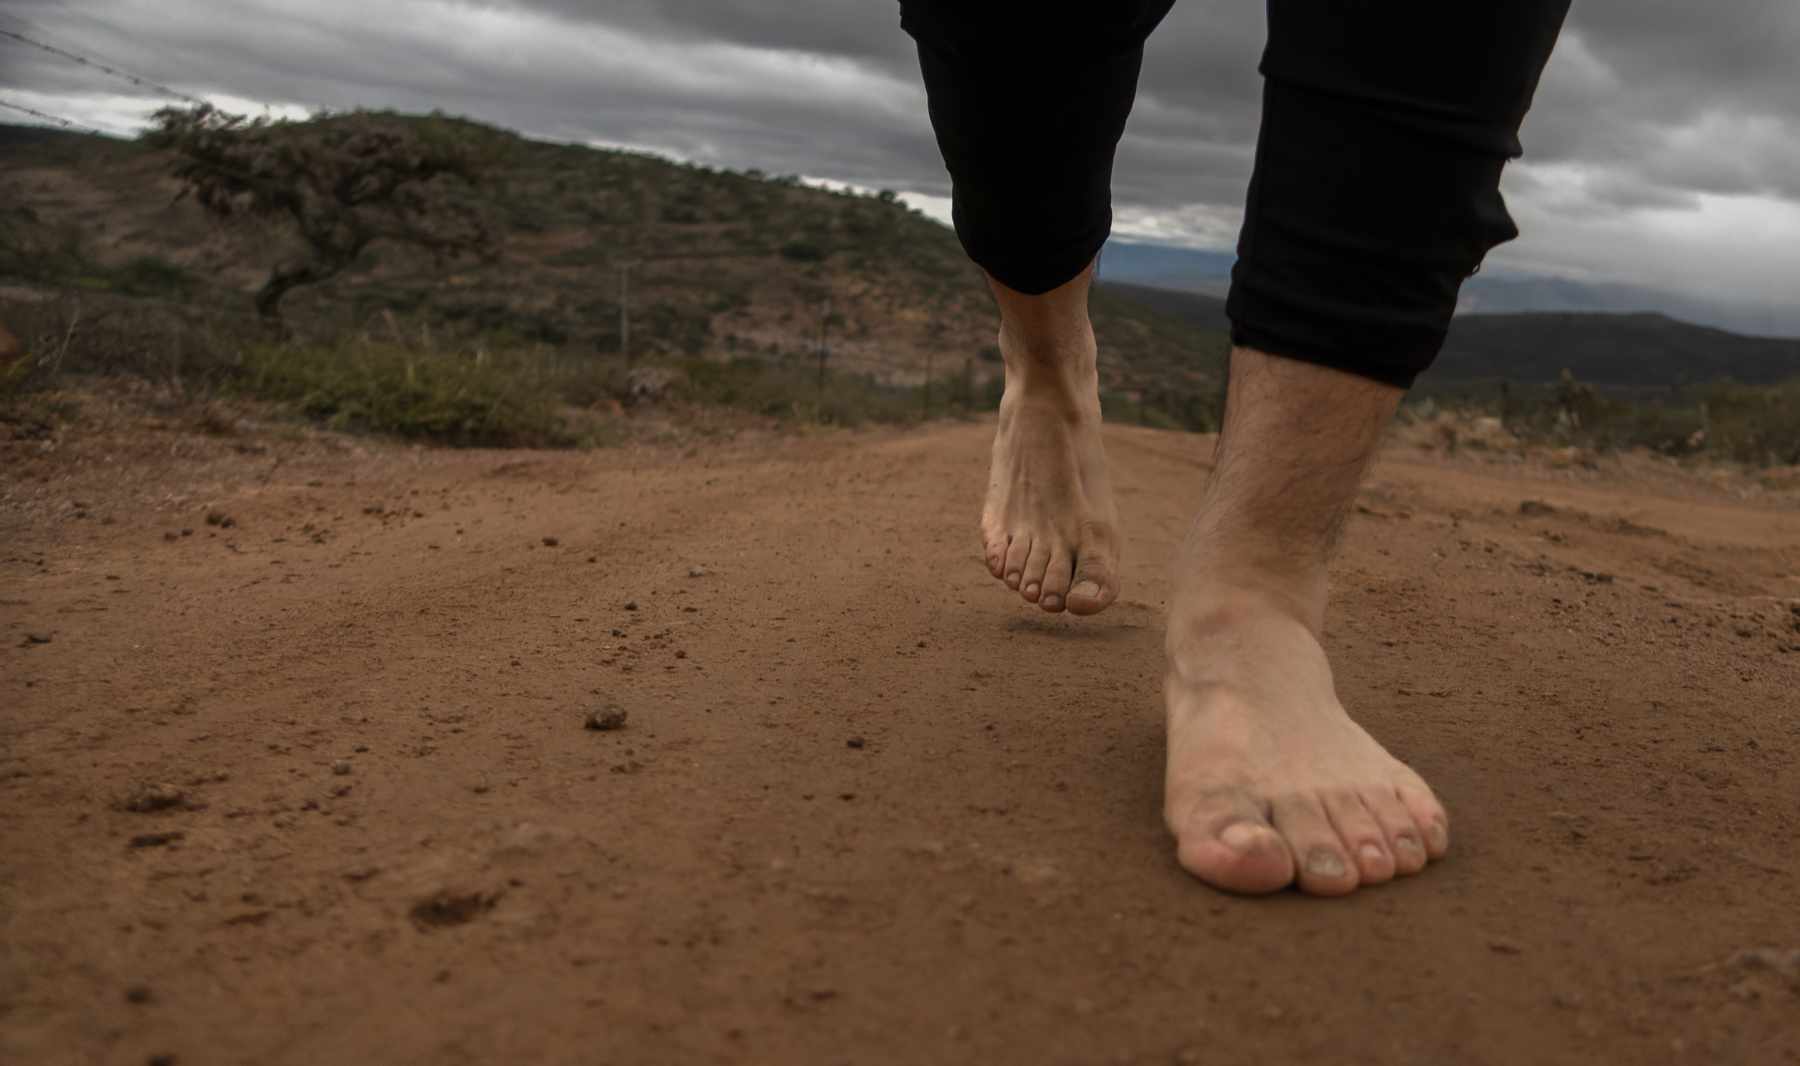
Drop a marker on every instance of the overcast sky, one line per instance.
(1664, 147)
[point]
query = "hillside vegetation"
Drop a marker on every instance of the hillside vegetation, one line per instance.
(715, 265)
(616, 277)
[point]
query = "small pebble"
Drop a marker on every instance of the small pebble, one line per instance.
(854, 742)
(153, 797)
(696, 571)
(138, 994)
(607, 718)
(341, 767)
(631, 605)
(551, 542)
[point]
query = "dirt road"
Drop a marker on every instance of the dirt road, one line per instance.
(866, 807)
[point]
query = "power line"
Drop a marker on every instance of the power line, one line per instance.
(63, 122)
(142, 83)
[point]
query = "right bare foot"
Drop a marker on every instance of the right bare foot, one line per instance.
(1049, 528)
(1270, 782)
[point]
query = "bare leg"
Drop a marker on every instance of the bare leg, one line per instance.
(1049, 528)
(1269, 780)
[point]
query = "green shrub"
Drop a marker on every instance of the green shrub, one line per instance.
(447, 398)
(802, 252)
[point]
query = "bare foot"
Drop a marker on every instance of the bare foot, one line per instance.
(1269, 781)
(1049, 528)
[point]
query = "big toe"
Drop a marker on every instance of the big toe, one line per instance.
(1225, 841)
(1096, 583)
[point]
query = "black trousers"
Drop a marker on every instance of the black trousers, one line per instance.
(1376, 187)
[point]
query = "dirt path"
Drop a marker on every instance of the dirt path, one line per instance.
(867, 807)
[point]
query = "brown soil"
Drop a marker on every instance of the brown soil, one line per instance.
(312, 781)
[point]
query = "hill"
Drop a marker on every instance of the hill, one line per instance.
(714, 267)
(713, 264)
(1617, 350)
(1493, 291)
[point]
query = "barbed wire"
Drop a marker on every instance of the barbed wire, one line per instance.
(94, 64)
(65, 123)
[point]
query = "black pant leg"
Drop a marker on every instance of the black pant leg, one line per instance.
(1028, 103)
(1385, 127)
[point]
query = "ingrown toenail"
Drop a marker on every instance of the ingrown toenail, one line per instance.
(1241, 836)
(1370, 853)
(1323, 862)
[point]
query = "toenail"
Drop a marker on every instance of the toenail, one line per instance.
(1013, 579)
(1241, 836)
(1323, 862)
(1053, 601)
(1440, 837)
(1370, 853)
(1087, 589)
(1031, 589)
(1408, 844)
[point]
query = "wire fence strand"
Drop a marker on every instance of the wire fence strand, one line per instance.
(105, 68)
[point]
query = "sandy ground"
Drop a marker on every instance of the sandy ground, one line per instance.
(866, 807)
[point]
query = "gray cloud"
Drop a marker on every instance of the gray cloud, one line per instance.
(1651, 109)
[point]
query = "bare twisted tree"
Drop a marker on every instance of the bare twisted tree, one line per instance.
(344, 182)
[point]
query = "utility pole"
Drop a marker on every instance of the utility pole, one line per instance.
(625, 310)
(824, 352)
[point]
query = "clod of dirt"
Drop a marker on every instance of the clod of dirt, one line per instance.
(34, 638)
(697, 571)
(551, 542)
(341, 767)
(156, 840)
(139, 994)
(1785, 962)
(854, 742)
(607, 718)
(150, 796)
(220, 519)
(444, 908)
(1535, 508)
(631, 605)
(1501, 946)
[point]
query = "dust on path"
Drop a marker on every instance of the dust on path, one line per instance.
(866, 806)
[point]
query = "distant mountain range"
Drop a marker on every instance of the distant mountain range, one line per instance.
(1489, 292)
(1626, 350)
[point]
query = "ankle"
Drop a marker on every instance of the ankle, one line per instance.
(1039, 348)
(1222, 589)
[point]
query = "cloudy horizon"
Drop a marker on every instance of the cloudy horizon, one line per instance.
(1663, 150)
